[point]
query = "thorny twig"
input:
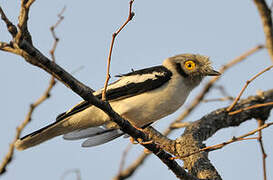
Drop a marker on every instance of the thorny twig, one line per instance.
(114, 35)
(245, 86)
(45, 95)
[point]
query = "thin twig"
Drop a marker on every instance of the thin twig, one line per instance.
(114, 35)
(7, 47)
(245, 86)
(131, 169)
(56, 39)
(260, 140)
(180, 125)
(123, 157)
(45, 95)
(227, 98)
(23, 32)
(250, 107)
(11, 28)
(19, 129)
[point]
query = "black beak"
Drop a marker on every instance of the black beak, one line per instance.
(213, 73)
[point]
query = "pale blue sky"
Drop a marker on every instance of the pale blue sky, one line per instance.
(220, 29)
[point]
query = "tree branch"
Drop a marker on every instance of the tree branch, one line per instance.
(33, 106)
(11, 28)
(114, 35)
(265, 14)
(192, 139)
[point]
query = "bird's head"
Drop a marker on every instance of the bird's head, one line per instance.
(192, 67)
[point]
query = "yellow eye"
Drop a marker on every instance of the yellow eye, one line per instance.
(190, 65)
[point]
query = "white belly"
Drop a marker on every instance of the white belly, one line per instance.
(140, 110)
(154, 105)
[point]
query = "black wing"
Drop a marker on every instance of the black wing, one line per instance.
(130, 84)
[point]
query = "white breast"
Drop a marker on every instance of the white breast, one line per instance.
(153, 105)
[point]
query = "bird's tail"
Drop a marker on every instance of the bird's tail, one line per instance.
(43, 134)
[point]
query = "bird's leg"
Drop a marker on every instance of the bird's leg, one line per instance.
(140, 141)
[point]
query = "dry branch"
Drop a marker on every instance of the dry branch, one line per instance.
(11, 28)
(265, 14)
(114, 35)
(192, 139)
(45, 95)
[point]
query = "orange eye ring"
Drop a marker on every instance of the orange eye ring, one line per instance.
(190, 65)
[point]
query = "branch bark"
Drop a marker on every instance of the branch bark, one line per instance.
(265, 14)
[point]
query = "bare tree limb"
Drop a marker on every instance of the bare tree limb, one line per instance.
(265, 14)
(45, 95)
(23, 32)
(11, 28)
(192, 139)
(20, 128)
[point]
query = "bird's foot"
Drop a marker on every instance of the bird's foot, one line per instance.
(173, 158)
(139, 141)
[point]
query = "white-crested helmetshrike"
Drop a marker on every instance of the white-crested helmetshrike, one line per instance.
(142, 97)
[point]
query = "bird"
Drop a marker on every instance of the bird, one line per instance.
(140, 96)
